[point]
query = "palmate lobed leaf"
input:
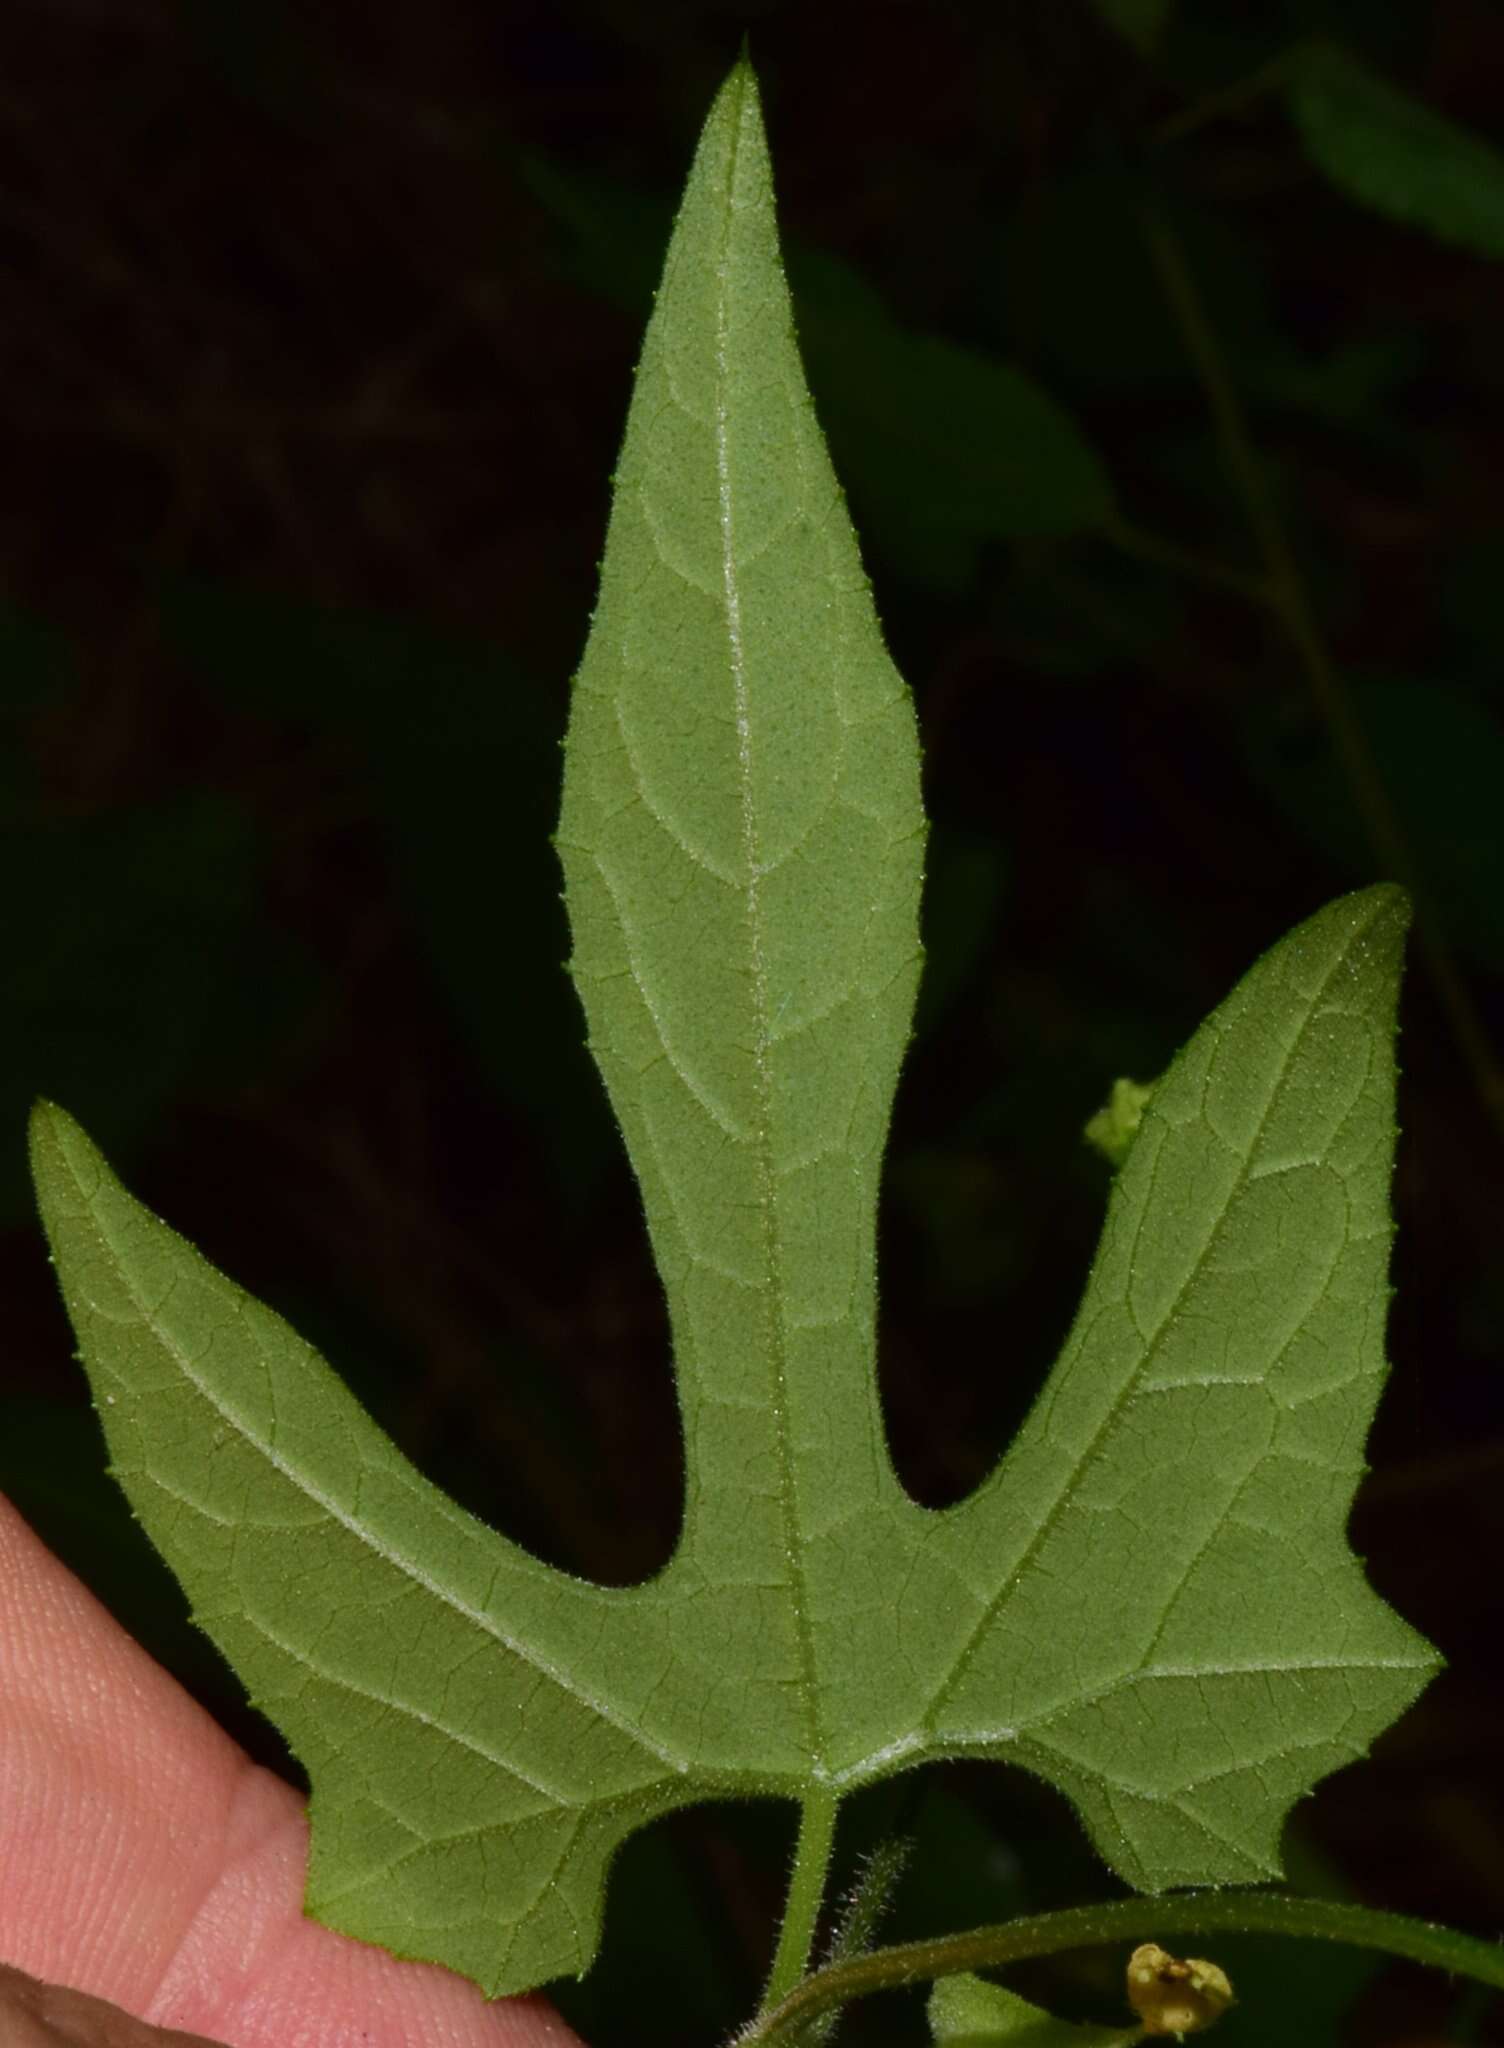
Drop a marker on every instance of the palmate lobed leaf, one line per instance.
(1152, 1603)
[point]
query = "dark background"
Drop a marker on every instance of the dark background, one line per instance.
(316, 333)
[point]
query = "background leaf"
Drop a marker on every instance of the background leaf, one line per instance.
(1139, 22)
(1441, 754)
(1002, 459)
(135, 932)
(966, 2011)
(467, 792)
(1396, 154)
(993, 454)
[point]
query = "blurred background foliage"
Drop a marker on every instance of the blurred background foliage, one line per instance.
(1159, 343)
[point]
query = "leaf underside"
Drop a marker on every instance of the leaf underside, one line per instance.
(1152, 1602)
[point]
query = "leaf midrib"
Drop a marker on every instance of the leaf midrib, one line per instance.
(774, 1250)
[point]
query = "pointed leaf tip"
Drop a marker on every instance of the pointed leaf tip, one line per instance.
(49, 1130)
(472, 1773)
(1188, 1679)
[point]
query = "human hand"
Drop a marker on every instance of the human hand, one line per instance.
(145, 1861)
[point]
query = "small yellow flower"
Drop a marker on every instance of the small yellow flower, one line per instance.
(1174, 1997)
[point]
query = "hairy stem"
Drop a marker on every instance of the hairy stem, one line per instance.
(1201, 1913)
(817, 1825)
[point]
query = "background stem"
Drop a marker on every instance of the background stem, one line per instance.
(1287, 597)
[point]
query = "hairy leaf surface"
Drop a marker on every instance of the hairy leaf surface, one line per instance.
(1152, 1603)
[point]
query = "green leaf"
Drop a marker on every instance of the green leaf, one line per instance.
(1151, 1603)
(967, 2012)
(1395, 154)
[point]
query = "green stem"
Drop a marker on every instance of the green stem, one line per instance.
(1168, 554)
(1231, 99)
(1290, 602)
(817, 1826)
(1201, 1913)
